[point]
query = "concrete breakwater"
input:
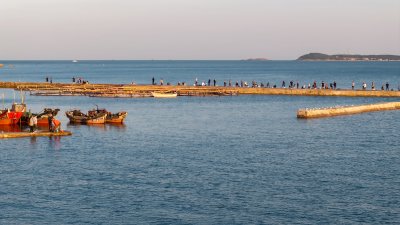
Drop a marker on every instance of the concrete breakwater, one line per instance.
(346, 110)
(127, 90)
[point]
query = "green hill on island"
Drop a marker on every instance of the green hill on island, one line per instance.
(347, 57)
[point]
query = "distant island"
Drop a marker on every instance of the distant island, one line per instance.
(347, 57)
(256, 59)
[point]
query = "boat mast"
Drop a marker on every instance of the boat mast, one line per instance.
(22, 97)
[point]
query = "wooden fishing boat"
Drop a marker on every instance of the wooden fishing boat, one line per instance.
(76, 116)
(118, 117)
(164, 95)
(13, 115)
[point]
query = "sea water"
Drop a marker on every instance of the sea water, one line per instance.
(205, 160)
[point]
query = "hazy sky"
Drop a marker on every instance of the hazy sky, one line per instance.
(196, 29)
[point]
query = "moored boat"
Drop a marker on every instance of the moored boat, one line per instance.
(76, 116)
(43, 117)
(164, 95)
(13, 115)
(118, 117)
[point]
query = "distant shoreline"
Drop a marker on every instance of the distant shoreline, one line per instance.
(348, 57)
(5, 62)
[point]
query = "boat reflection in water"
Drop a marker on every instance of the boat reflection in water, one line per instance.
(98, 127)
(116, 127)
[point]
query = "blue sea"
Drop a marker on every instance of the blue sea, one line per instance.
(205, 160)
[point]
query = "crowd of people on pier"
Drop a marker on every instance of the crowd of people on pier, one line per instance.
(79, 80)
(76, 80)
(291, 84)
(384, 87)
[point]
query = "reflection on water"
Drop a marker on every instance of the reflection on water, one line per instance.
(98, 127)
(55, 142)
(116, 127)
(33, 141)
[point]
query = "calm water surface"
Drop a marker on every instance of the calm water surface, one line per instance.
(213, 160)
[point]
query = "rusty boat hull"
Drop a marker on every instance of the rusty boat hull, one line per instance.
(76, 116)
(116, 118)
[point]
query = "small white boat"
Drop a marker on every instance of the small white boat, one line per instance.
(164, 95)
(74, 61)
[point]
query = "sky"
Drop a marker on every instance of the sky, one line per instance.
(196, 29)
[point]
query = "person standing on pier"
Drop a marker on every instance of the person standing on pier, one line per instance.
(47, 79)
(209, 82)
(52, 125)
(161, 82)
(215, 82)
(387, 86)
(50, 120)
(283, 84)
(352, 85)
(334, 85)
(32, 123)
(373, 86)
(152, 81)
(230, 83)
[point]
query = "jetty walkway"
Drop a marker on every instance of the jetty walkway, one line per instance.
(128, 90)
(346, 110)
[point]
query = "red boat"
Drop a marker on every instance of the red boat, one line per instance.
(43, 118)
(13, 115)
